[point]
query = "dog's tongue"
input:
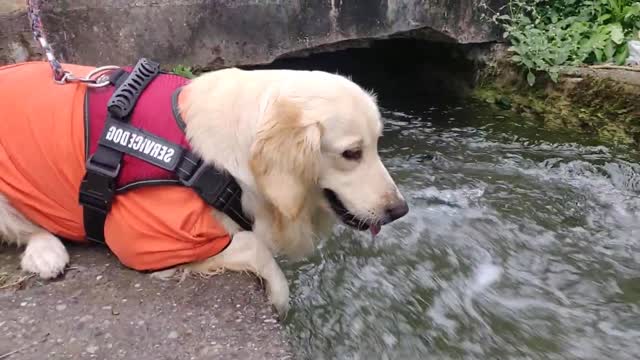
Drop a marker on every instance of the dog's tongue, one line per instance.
(375, 229)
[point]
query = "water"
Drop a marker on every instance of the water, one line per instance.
(521, 243)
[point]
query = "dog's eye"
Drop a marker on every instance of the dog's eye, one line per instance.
(352, 154)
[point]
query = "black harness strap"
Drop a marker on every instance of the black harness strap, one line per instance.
(98, 185)
(217, 188)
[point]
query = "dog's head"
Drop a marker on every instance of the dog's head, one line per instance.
(318, 137)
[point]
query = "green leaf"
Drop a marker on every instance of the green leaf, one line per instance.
(599, 55)
(622, 55)
(631, 11)
(562, 57)
(183, 70)
(617, 33)
(531, 79)
(609, 51)
(603, 18)
(547, 34)
(540, 64)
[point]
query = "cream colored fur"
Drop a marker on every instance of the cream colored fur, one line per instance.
(281, 134)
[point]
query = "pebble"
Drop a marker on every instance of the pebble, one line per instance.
(61, 307)
(173, 335)
(92, 349)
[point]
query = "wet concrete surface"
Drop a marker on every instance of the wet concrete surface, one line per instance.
(101, 310)
(219, 34)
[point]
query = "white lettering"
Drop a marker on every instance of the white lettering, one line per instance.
(148, 145)
(131, 140)
(125, 138)
(109, 136)
(163, 150)
(169, 156)
(141, 144)
(117, 136)
(138, 143)
(154, 152)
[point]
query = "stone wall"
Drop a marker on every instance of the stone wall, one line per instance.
(224, 33)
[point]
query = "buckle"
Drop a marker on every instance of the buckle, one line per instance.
(201, 168)
(228, 193)
(215, 187)
(98, 168)
(96, 197)
(98, 186)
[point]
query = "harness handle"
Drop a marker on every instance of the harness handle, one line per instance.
(94, 79)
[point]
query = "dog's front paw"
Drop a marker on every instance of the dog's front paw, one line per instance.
(278, 293)
(45, 256)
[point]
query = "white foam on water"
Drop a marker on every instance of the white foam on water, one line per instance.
(484, 276)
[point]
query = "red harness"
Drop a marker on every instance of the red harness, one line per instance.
(155, 112)
(135, 137)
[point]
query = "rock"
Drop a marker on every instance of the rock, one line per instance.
(16, 41)
(218, 34)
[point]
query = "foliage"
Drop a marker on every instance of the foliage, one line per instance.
(183, 70)
(546, 35)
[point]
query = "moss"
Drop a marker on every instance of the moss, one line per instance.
(599, 107)
(182, 70)
(185, 70)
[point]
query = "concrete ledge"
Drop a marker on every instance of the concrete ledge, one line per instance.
(216, 34)
(622, 75)
(102, 310)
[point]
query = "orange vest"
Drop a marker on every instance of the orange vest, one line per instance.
(42, 157)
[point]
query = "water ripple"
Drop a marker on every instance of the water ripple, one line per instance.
(516, 247)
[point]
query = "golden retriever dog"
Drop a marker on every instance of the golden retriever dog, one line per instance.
(303, 145)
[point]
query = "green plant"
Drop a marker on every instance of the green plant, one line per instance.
(546, 35)
(183, 70)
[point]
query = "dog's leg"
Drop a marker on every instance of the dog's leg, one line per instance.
(246, 253)
(45, 254)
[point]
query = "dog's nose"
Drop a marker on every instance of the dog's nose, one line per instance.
(397, 211)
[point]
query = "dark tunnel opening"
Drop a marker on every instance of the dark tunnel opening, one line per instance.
(400, 71)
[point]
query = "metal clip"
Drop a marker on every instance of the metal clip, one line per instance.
(94, 79)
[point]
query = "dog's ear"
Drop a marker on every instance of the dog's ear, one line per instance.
(285, 157)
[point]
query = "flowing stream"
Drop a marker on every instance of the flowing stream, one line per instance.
(521, 243)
